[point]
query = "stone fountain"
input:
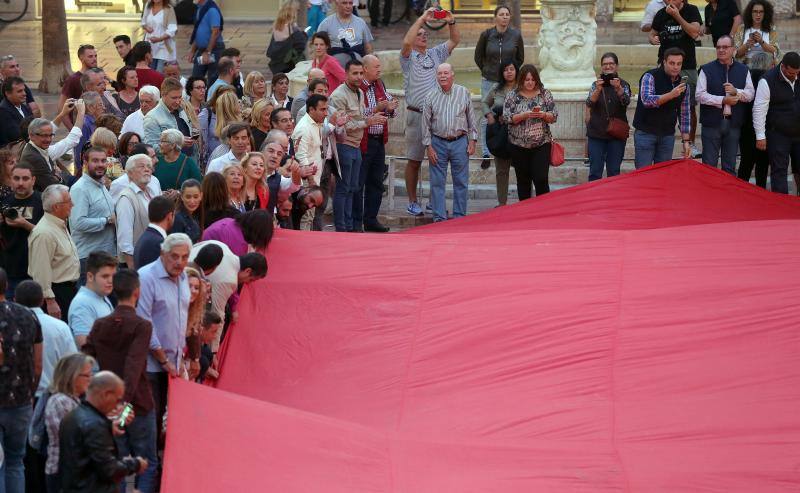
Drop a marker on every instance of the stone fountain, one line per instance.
(567, 45)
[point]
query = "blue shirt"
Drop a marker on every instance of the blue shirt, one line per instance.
(86, 307)
(88, 221)
(165, 302)
(210, 20)
(57, 343)
(88, 128)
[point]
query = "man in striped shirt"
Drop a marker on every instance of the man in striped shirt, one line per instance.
(450, 134)
(419, 77)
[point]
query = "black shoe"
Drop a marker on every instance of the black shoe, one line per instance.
(486, 163)
(376, 228)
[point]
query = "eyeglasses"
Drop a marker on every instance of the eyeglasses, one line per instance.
(284, 120)
(757, 11)
(45, 135)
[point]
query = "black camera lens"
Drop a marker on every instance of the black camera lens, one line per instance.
(10, 213)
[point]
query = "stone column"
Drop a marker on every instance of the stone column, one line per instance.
(605, 10)
(567, 44)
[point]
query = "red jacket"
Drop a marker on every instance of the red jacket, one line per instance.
(380, 95)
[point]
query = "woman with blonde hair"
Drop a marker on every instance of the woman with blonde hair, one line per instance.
(288, 43)
(208, 122)
(234, 180)
(255, 88)
(160, 25)
(228, 110)
(105, 138)
(256, 193)
(198, 299)
(71, 378)
(260, 123)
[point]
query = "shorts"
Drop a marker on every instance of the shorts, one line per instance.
(692, 82)
(415, 150)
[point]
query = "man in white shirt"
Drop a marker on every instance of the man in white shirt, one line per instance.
(58, 341)
(307, 137)
(121, 183)
(650, 12)
(775, 120)
(240, 140)
(226, 271)
(131, 207)
(149, 96)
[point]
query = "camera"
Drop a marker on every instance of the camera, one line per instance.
(663, 36)
(9, 213)
(440, 14)
(607, 78)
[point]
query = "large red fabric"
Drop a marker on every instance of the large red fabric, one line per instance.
(625, 358)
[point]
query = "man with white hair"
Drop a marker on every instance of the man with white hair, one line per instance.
(164, 300)
(57, 267)
(148, 99)
(9, 67)
(450, 133)
(299, 101)
(94, 108)
(41, 155)
(121, 183)
(131, 206)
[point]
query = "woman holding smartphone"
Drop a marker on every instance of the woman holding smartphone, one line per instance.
(756, 34)
(529, 110)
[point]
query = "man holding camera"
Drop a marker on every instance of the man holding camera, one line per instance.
(662, 100)
(18, 215)
(678, 26)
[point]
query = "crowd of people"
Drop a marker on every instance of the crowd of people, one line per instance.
(125, 244)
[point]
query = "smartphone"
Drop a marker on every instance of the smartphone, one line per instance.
(684, 79)
(537, 109)
(123, 416)
(440, 14)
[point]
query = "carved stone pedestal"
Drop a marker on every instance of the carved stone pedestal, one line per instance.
(567, 44)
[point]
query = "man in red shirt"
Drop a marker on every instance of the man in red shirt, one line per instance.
(72, 86)
(142, 56)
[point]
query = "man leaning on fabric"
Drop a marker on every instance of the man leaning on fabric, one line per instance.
(450, 134)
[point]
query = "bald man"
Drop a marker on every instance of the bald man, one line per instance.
(377, 101)
(89, 459)
(300, 100)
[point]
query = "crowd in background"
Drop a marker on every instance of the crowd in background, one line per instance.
(125, 243)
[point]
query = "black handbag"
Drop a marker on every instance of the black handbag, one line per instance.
(497, 140)
(285, 54)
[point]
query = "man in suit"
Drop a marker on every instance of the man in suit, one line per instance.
(161, 213)
(13, 109)
(40, 152)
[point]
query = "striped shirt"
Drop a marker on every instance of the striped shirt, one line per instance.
(650, 100)
(448, 114)
(372, 102)
(419, 73)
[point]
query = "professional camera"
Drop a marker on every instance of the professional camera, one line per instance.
(9, 213)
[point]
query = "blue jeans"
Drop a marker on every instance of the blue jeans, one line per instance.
(367, 200)
(139, 440)
(605, 153)
(346, 187)
(157, 64)
(209, 71)
(650, 148)
(724, 139)
(486, 86)
(455, 153)
(315, 16)
(14, 423)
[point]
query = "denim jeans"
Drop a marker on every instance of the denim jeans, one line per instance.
(14, 423)
(455, 153)
(367, 200)
(486, 86)
(724, 139)
(139, 440)
(315, 16)
(650, 148)
(210, 70)
(605, 153)
(781, 149)
(347, 187)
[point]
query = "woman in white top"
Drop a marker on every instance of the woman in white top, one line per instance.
(757, 34)
(160, 25)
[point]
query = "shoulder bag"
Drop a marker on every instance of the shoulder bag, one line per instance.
(617, 128)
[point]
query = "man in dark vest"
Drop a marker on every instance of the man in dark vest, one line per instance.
(662, 101)
(776, 119)
(722, 87)
(13, 109)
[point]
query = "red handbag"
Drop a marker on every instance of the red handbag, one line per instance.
(556, 153)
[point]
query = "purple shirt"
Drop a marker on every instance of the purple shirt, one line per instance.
(228, 232)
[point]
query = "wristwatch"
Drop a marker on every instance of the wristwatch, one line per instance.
(451, 23)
